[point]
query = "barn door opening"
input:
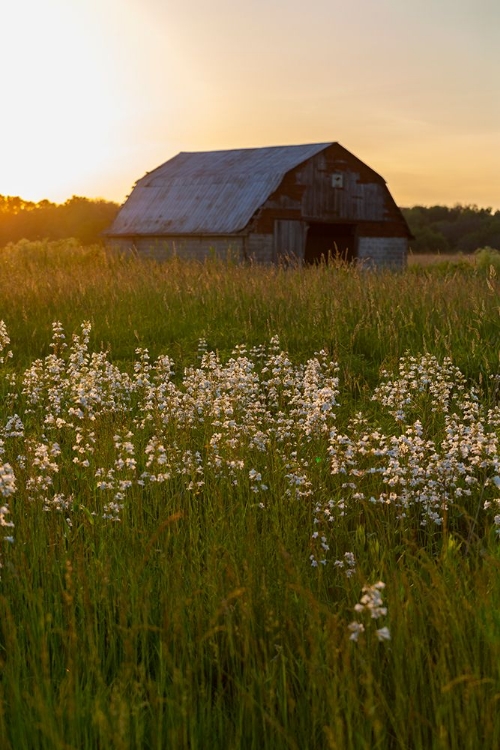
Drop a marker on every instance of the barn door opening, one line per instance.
(326, 241)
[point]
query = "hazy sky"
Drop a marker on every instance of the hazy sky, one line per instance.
(97, 92)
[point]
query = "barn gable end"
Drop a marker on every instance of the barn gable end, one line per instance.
(285, 203)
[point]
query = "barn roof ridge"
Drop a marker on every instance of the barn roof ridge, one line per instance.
(275, 159)
(322, 144)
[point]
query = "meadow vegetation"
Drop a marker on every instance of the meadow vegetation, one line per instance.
(247, 507)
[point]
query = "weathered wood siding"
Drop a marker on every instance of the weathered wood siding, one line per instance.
(359, 198)
(289, 240)
(307, 193)
(332, 187)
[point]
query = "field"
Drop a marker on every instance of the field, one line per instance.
(432, 259)
(247, 507)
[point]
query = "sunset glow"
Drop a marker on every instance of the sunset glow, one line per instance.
(97, 92)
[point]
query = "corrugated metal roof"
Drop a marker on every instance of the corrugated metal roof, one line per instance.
(212, 192)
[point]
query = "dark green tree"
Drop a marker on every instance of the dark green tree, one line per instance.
(82, 218)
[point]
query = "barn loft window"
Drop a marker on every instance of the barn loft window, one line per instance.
(337, 180)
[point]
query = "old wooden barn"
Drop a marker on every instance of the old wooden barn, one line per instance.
(268, 205)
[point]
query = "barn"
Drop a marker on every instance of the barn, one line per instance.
(277, 204)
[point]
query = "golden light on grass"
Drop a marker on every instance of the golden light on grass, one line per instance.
(240, 544)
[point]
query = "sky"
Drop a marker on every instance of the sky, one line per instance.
(95, 93)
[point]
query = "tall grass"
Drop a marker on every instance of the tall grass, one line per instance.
(181, 600)
(365, 320)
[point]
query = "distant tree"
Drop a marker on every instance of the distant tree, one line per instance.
(429, 240)
(13, 204)
(447, 229)
(438, 213)
(494, 231)
(82, 218)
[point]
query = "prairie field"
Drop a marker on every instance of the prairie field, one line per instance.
(247, 507)
(433, 259)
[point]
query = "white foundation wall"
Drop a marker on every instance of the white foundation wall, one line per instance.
(189, 248)
(260, 248)
(383, 252)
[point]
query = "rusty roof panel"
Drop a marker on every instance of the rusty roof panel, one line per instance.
(213, 192)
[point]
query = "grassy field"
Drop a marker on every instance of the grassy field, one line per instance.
(433, 259)
(247, 507)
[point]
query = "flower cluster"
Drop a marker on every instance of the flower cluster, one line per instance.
(4, 342)
(372, 605)
(441, 452)
(257, 428)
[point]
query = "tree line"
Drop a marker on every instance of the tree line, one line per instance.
(436, 229)
(82, 218)
(461, 229)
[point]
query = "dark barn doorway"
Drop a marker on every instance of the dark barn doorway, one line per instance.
(330, 241)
